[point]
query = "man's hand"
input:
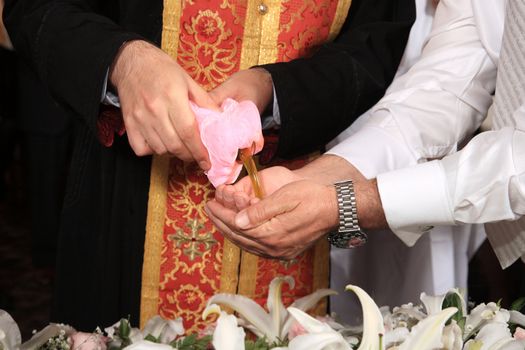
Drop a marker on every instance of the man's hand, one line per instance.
(241, 194)
(251, 84)
(283, 224)
(154, 93)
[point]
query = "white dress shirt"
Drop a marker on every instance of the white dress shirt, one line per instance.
(390, 271)
(436, 106)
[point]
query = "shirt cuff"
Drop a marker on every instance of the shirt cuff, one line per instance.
(107, 97)
(415, 199)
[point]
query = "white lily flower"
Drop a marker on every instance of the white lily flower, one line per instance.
(482, 314)
(275, 324)
(228, 335)
(494, 336)
(452, 337)
(426, 335)
(395, 336)
(373, 327)
(148, 345)
(517, 318)
(432, 304)
(10, 338)
(319, 336)
(165, 330)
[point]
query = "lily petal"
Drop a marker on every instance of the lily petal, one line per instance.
(248, 309)
(426, 335)
(319, 341)
(433, 304)
(11, 338)
(517, 318)
(305, 303)
(373, 327)
(320, 335)
(274, 302)
(165, 330)
(147, 345)
(228, 335)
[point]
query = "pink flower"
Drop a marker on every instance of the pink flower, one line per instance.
(295, 330)
(519, 333)
(223, 133)
(88, 341)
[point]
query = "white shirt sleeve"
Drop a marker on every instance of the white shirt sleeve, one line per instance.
(426, 114)
(484, 182)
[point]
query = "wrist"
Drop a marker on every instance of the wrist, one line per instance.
(369, 207)
(123, 61)
(265, 88)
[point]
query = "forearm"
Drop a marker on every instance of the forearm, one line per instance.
(329, 169)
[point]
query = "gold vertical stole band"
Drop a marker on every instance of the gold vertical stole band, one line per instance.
(261, 43)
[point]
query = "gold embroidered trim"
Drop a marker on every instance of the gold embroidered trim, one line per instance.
(270, 32)
(171, 26)
(231, 256)
(259, 46)
(153, 242)
(149, 298)
(339, 19)
(321, 272)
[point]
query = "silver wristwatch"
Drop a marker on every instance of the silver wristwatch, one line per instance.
(349, 234)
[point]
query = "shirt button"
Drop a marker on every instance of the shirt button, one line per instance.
(262, 8)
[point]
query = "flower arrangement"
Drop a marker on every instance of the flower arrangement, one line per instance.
(439, 323)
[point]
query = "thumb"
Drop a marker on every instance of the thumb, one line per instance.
(202, 98)
(260, 212)
(220, 93)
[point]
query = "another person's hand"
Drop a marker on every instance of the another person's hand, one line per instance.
(283, 224)
(252, 84)
(154, 93)
(241, 194)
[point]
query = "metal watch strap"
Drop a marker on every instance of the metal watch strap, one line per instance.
(349, 233)
(347, 206)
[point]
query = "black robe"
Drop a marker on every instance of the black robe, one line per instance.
(72, 43)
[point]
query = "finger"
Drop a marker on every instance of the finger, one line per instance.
(183, 120)
(244, 185)
(262, 211)
(222, 92)
(243, 242)
(242, 200)
(154, 141)
(219, 197)
(137, 141)
(201, 97)
(170, 139)
(228, 197)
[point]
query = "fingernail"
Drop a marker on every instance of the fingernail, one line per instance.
(204, 165)
(242, 220)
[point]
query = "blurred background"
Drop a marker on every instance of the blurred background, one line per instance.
(35, 139)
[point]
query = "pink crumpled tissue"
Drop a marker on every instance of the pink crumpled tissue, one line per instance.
(224, 133)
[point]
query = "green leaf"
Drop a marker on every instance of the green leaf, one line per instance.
(259, 344)
(518, 304)
(151, 338)
(124, 329)
(191, 342)
(454, 300)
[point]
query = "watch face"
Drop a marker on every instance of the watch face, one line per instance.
(347, 240)
(358, 239)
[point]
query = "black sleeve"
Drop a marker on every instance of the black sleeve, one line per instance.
(70, 47)
(322, 95)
